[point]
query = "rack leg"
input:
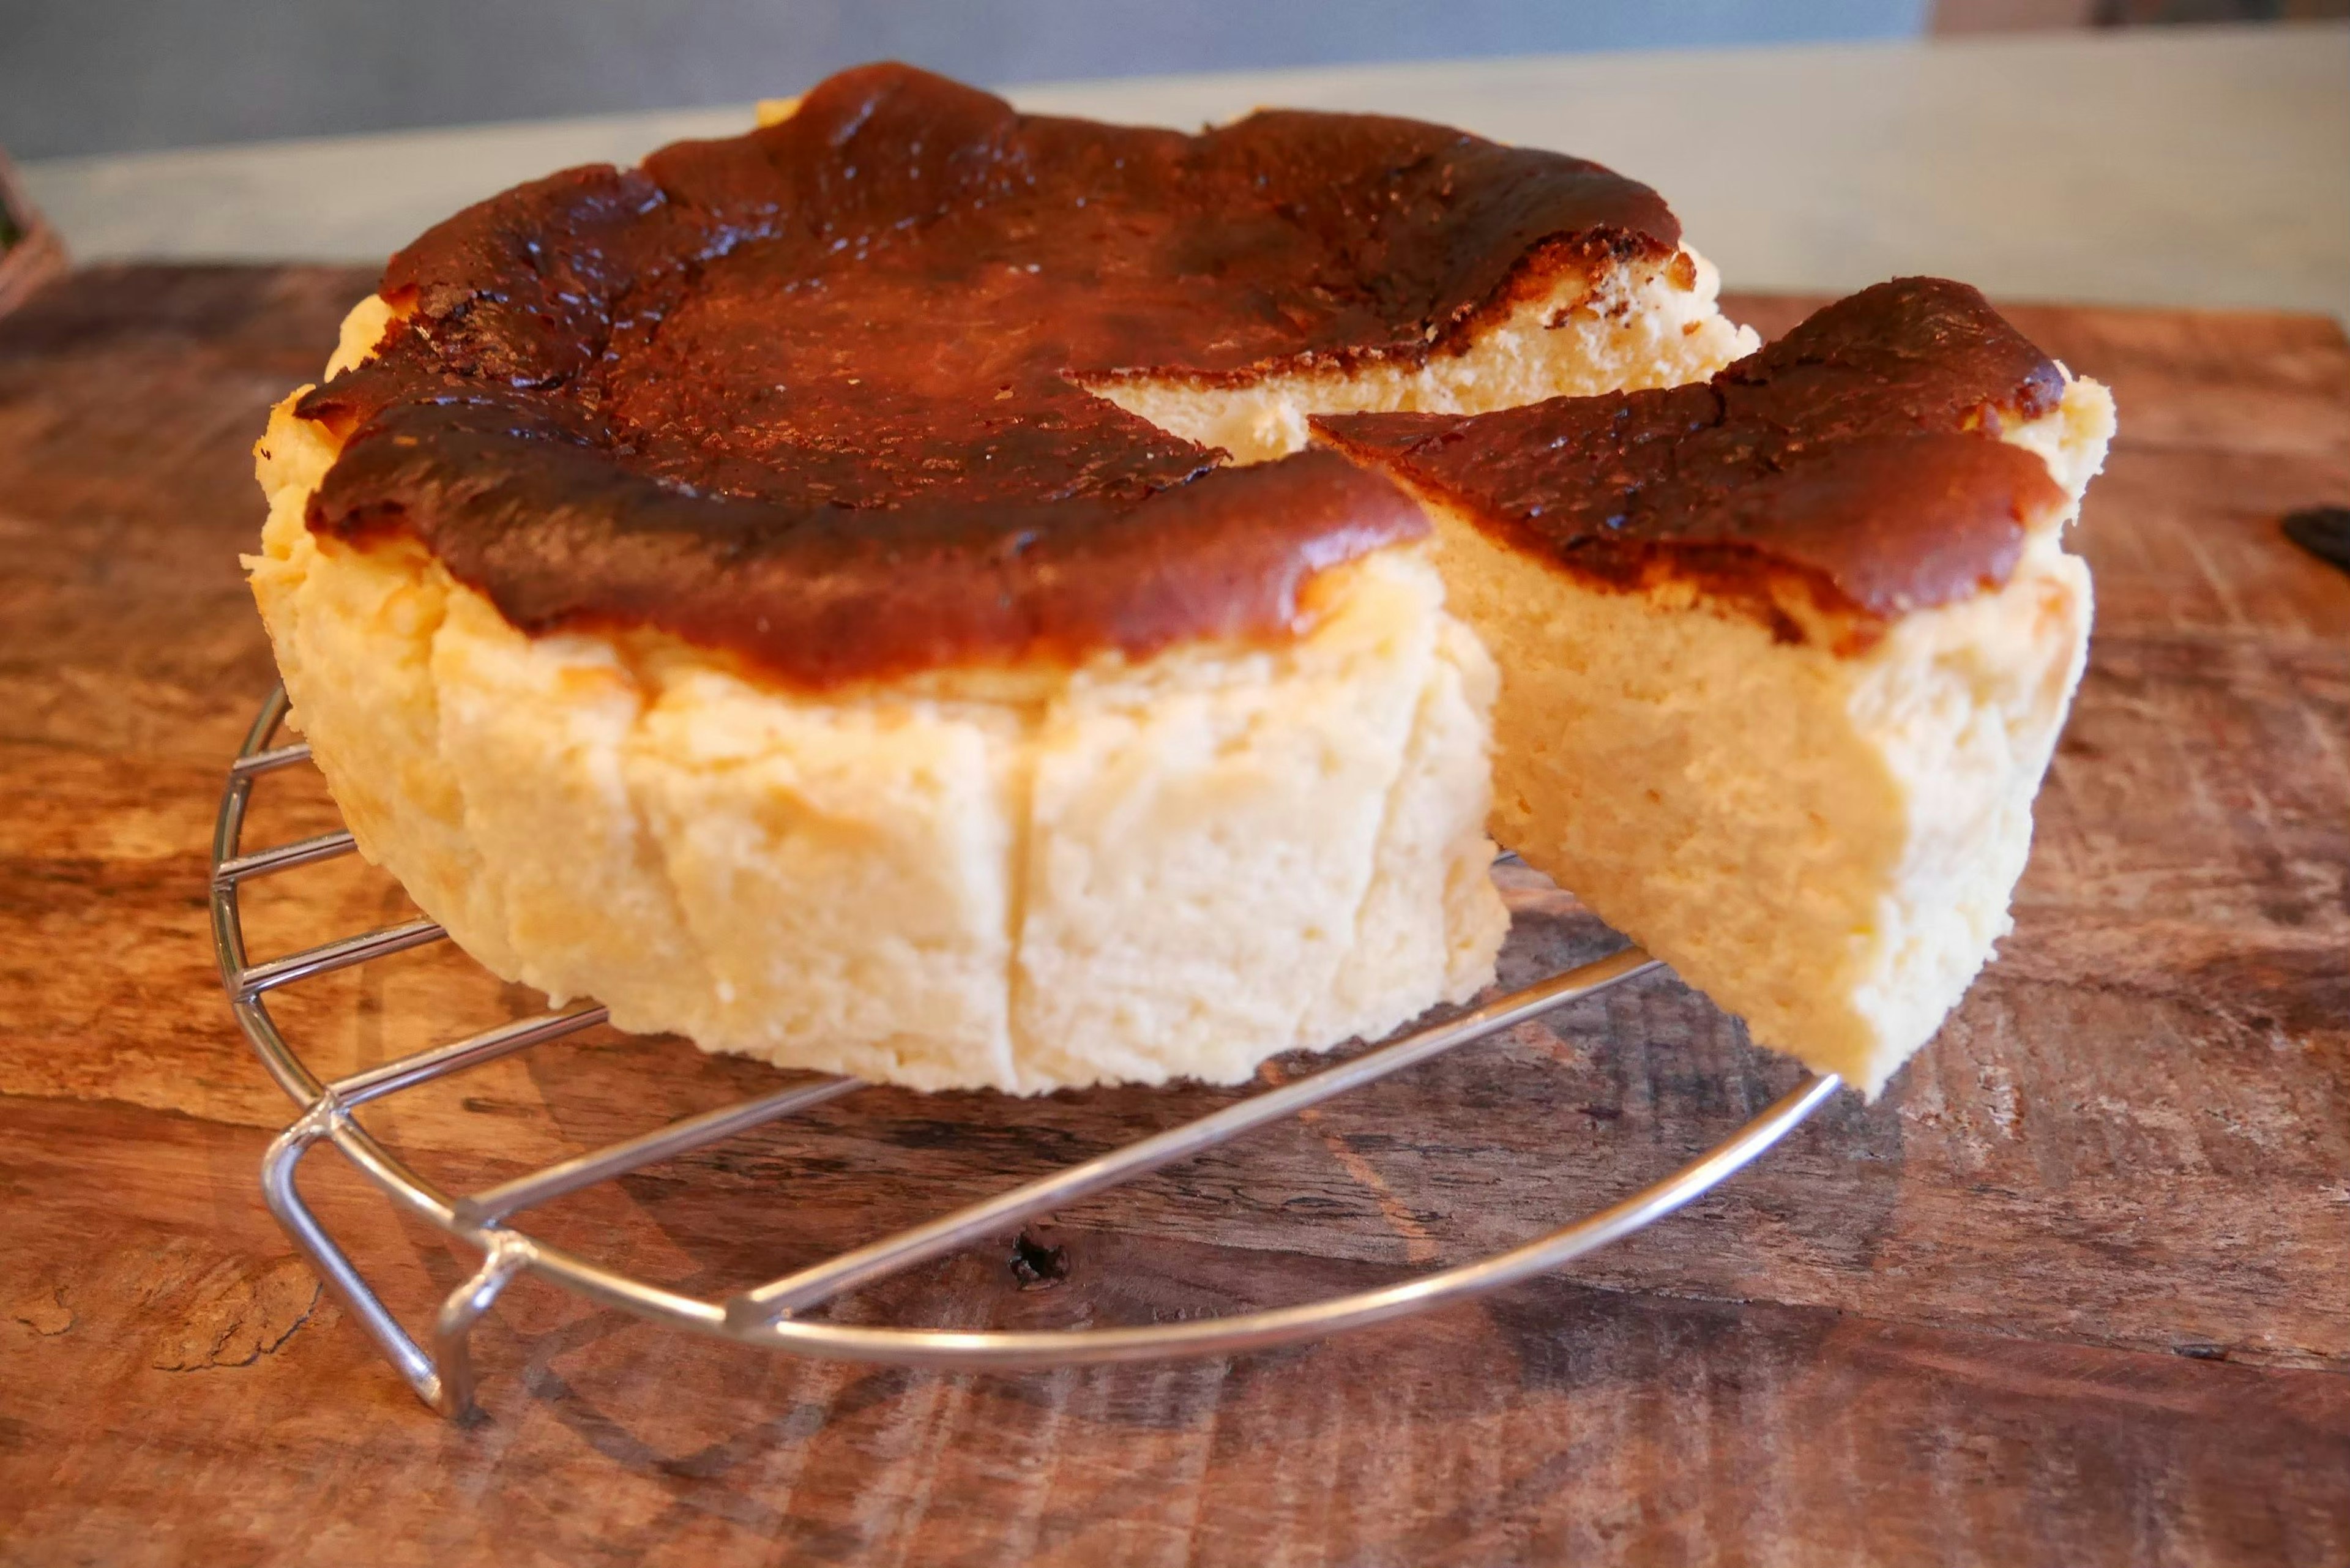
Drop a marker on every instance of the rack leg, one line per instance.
(453, 1332)
(278, 1190)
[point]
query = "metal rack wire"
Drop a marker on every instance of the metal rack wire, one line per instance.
(767, 1314)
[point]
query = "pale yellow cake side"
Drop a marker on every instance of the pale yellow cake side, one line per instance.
(1824, 844)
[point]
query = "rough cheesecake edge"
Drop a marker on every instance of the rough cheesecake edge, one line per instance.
(1823, 841)
(1589, 328)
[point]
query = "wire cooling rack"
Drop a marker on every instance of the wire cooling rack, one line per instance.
(768, 1313)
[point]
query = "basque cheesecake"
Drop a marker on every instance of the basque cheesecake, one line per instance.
(752, 589)
(970, 600)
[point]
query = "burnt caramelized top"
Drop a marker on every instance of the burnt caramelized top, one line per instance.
(1853, 460)
(817, 394)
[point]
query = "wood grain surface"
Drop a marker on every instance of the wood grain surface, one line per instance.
(2076, 1290)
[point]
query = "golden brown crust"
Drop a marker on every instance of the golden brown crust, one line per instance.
(1846, 474)
(817, 394)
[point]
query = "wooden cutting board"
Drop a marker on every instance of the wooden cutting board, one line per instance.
(2077, 1289)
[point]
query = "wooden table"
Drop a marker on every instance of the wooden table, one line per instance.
(2077, 1289)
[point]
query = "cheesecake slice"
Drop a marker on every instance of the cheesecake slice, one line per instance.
(1784, 652)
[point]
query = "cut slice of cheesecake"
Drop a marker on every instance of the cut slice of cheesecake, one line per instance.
(1785, 653)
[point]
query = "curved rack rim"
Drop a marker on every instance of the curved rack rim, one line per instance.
(507, 1252)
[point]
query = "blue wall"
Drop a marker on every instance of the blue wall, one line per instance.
(98, 76)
